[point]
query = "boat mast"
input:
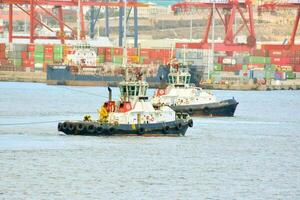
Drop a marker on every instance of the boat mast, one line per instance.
(78, 20)
(124, 64)
(213, 39)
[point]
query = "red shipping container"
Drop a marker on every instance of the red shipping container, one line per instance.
(24, 55)
(220, 60)
(48, 56)
(30, 47)
(118, 51)
(48, 49)
(131, 52)
(108, 51)
(145, 52)
(108, 58)
(296, 68)
(101, 51)
(279, 61)
(2, 54)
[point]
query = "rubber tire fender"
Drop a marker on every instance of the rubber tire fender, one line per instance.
(65, 126)
(190, 111)
(91, 128)
(179, 126)
(191, 123)
(141, 131)
(59, 126)
(99, 130)
(166, 129)
(79, 127)
(110, 130)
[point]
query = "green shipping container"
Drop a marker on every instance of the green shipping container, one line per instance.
(38, 48)
(259, 60)
(118, 59)
(100, 59)
(57, 57)
(217, 67)
(270, 67)
(57, 49)
(269, 74)
(245, 68)
(17, 62)
(290, 75)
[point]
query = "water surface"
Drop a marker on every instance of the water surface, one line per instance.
(254, 155)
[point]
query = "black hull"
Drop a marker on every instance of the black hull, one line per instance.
(224, 108)
(175, 128)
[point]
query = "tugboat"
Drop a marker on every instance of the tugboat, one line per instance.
(134, 114)
(182, 96)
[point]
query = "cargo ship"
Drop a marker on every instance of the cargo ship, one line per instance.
(83, 69)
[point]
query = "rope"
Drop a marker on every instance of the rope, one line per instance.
(29, 123)
(80, 91)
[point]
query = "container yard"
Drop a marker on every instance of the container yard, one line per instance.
(239, 62)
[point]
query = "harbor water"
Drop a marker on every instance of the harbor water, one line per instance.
(254, 155)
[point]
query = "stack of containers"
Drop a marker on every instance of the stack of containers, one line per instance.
(58, 53)
(2, 51)
(38, 57)
(197, 57)
(16, 54)
(117, 55)
(67, 49)
(108, 54)
(101, 55)
(48, 55)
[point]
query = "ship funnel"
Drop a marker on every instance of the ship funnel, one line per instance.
(109, 94)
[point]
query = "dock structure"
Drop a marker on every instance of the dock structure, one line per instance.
(35, 6)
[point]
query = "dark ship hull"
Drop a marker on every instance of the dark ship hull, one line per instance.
(224, 108)
(63, 75)
(174, 128)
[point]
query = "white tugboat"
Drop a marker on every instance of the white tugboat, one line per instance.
(133, 114)
(182, 96)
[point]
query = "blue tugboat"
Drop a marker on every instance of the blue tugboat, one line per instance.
(182, 96)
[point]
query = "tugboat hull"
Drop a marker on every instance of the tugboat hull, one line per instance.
(175, 128)
(224, 108)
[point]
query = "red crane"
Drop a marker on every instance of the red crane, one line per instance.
(58, 5)
(226, 13)
(272, 6)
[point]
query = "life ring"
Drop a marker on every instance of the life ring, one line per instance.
(179, 126)
(91, 128)
(166, 129)
(160, 92)
(71, 127)
(128, 107)
(79, 127)
(191, 123)
(99, 130)
(59, 126)
(141, 131)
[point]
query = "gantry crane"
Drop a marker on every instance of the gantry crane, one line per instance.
(59, 5)
(273, 6)
(227, 13)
